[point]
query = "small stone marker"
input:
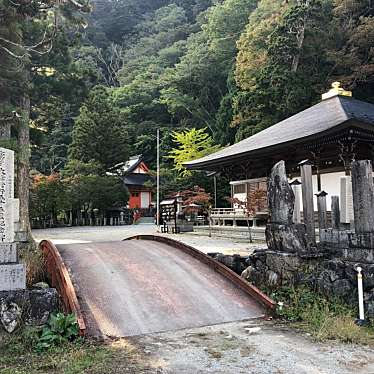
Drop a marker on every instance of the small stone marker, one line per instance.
(12, 274)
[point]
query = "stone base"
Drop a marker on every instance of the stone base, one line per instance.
(287, 238)
(12, 277)
(8, 253)
(32, 307)
(21, 236)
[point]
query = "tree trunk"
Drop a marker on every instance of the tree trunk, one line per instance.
(23, 167)
(300, 41)
(249, 231)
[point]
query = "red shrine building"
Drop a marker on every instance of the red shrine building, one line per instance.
(138, 181)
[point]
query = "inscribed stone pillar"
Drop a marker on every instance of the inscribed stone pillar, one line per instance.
(307, 193)
(6, 195)
(12, 274)
(363, 196)
(280, 196)
(346, 200)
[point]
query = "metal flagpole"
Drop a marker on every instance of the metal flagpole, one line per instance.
(158, 180)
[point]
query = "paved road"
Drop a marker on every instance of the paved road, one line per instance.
(138, 287)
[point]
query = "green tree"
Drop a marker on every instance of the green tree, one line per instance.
(282, 63)
(89, 188)
(351, 54)
(98, 133)
(48, 198)
(191, 144)
(60, 84)
(194, 89)
(101, 192)
(26, 30)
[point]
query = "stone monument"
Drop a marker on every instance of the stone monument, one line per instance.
(12, 273)
(282, 234)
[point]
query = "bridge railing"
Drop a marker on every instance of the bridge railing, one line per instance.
(247, 287)
(60, 279)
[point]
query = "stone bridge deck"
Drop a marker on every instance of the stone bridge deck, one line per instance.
(138, 287)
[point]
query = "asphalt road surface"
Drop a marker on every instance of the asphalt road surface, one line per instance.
(138, 287)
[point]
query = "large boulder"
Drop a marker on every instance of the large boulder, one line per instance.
(32, 307)
(287, 238)
(280, 196)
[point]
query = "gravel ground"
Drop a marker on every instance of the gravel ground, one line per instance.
(250, 347)
(84, 234)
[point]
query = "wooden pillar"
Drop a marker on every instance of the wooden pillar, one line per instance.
(335, 212)
(297, 207)
(363, 196)
(322, 210)
(319, 183)
(307, 193)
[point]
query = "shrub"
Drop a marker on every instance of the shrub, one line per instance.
(60, 329)
(323, 318)
(35, 266)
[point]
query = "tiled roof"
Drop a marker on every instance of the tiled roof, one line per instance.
(321, 117)
(137, 179)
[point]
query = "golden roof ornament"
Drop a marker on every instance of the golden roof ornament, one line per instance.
(336, 90)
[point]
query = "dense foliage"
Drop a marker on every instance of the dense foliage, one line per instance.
(232, 67)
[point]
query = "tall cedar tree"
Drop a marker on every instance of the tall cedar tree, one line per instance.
(98, 133)
(27, 29)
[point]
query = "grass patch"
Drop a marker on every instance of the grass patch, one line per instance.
(324, 319)
(35, 266)
(18, 356)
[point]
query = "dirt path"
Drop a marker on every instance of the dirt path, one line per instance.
(250, 347)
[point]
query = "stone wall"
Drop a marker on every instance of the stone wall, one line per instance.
(329, 266)
(27, 307)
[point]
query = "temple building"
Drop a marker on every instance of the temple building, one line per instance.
(329, 134)
(138, 181)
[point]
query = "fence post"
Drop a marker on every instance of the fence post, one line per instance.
(307, 193)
